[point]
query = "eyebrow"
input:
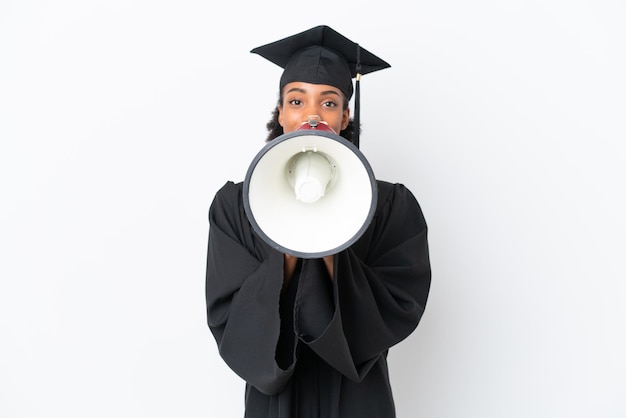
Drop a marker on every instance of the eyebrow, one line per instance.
(301, 90)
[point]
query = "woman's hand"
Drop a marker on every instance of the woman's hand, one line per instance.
(329, 261)
(289, 266)
(290, 262)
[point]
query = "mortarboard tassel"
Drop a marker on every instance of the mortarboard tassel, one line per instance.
(357, 98)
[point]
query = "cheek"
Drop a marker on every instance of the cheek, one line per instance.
(285, 117)
(345, 119)
(290, 121)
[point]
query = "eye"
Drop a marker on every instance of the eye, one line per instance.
(329, 103)
(295, 102)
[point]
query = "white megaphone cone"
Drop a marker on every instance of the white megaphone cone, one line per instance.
(310, 193)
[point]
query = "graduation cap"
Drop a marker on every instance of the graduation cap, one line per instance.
(321, 55)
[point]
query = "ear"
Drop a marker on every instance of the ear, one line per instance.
(280, 114)
(345, 119)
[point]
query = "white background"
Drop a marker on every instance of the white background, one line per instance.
(120, 119)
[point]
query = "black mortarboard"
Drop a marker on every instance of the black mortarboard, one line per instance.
(321, 55)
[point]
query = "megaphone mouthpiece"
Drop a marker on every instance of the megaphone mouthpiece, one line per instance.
(315, 122)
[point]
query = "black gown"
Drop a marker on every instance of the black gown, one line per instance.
(317, 349)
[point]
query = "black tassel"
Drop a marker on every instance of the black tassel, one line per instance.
(357, 99)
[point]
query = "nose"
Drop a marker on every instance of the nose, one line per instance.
(313, 108)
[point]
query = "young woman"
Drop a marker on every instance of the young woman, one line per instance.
(311, 336)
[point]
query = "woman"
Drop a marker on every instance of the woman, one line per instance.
(310, 336)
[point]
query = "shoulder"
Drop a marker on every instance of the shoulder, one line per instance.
(228, 192)
(229, 189)
(396, 200)
(394, 192)
(227, 198)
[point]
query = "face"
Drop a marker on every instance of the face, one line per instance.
(301, 100)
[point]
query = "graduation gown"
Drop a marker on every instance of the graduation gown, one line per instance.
(318, 348)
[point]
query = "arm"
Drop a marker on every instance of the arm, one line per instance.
(379, 290)
(244, 278)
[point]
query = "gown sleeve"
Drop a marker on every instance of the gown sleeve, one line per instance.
(243, 286)
(379, 289)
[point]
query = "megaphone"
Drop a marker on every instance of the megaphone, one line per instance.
(310, 193)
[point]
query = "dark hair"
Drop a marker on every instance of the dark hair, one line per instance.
(275, 130)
